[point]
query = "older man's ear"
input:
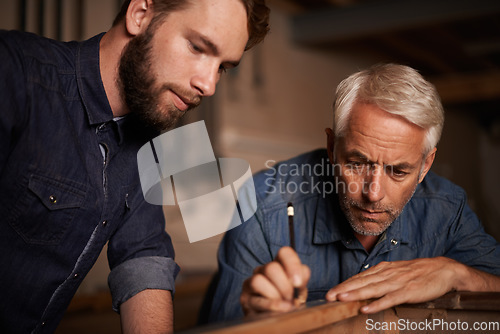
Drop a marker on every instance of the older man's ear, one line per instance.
(330, 143)
(429, 159)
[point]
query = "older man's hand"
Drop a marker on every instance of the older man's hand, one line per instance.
(271, 287)
(394, 283)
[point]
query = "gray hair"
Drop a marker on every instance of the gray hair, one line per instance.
(396, 89)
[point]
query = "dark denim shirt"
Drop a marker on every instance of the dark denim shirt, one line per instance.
(60, 201)
(436, 222)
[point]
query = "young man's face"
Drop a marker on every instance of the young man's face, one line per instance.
(166, 70)
(379, 164)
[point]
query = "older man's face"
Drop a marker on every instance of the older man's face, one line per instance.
(379, 164)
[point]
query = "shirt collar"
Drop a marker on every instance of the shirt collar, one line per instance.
(90, 86)
(399, 229)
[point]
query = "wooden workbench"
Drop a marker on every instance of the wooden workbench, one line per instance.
(457, 312)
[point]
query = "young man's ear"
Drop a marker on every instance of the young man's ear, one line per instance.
(138, 16)
(429, 159)
(330, 143)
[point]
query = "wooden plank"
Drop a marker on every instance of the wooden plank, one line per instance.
(371, 18)
(464, 300)
(307, 318)
(344, 317)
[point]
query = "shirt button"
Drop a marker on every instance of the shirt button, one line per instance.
(104, 222)
(366, 266)
(75, 276)
(394, 242)
(52, 199)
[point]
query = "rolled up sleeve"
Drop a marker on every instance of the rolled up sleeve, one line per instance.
(136, 275)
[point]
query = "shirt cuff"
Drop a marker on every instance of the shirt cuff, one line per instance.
(136, 275)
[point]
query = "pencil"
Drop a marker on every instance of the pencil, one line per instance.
(291, 230)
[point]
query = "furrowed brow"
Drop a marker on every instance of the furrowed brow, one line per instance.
(402, 167)
(359, 155)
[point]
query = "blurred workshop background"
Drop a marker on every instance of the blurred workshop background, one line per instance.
(277, 103)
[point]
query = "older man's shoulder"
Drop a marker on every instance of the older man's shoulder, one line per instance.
(439, 188)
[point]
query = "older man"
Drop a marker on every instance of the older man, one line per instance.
(371, 220)
(74, 116)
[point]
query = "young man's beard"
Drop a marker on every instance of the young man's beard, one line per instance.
(138, 86)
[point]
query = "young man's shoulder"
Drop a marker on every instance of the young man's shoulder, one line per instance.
(29, 46)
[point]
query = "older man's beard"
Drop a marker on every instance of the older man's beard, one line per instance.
(392, 212)
(139, 89)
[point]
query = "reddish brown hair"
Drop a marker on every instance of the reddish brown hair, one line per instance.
(257, 16)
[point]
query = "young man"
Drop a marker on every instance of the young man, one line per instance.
(371, 221)
(73, 118)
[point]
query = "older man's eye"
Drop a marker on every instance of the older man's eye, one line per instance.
(357, 167)
(398, 173)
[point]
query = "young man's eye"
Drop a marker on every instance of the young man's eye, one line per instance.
(222, 69)
(195, 47)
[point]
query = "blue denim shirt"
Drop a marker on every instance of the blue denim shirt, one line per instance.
(436, 222)
(60, 201)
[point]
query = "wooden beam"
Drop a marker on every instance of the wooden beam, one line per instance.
(364, 20)
(464, 88)
(342, 3)
(413, 51)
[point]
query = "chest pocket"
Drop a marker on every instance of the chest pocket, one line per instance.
(44, 213)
